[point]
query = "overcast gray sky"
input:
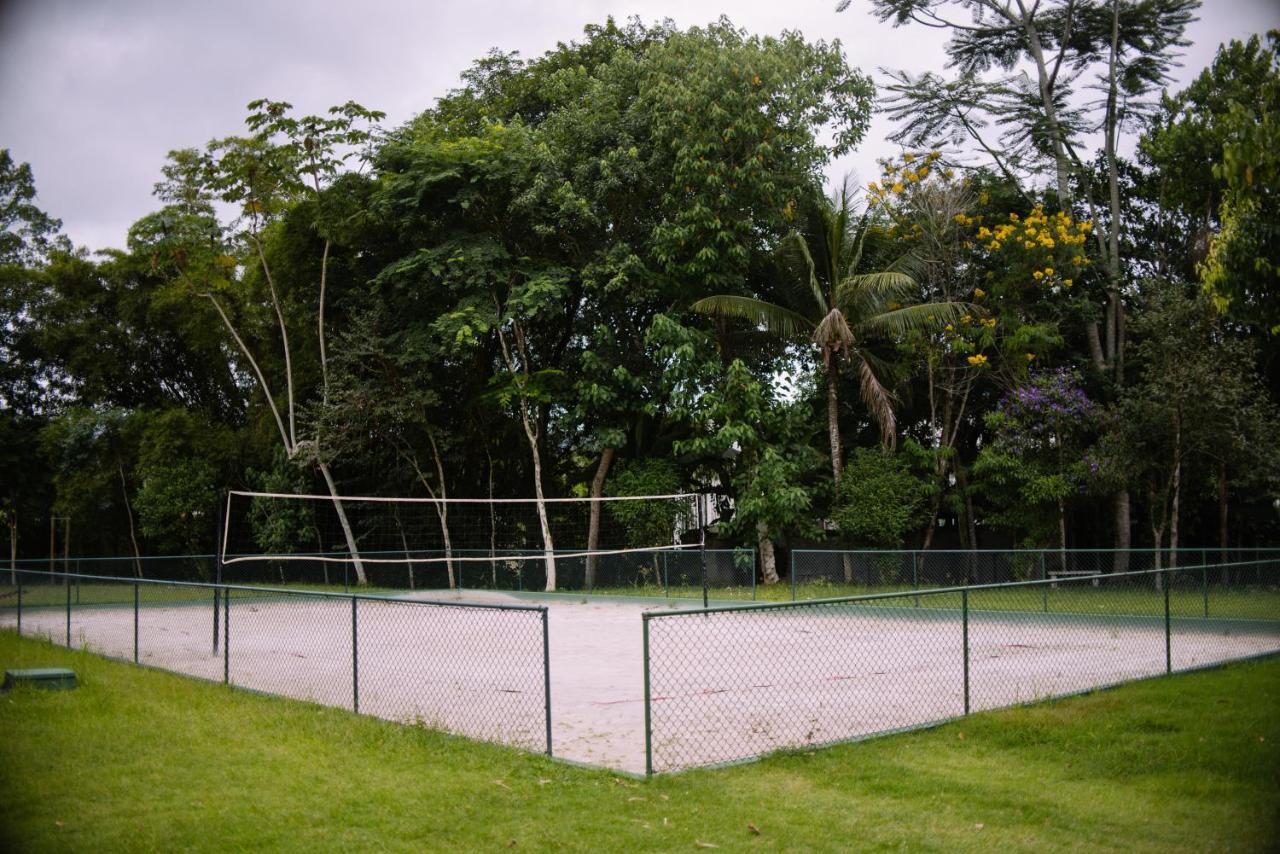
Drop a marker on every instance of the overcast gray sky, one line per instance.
(94, 94)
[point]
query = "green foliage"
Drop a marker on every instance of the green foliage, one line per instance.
(647, 523)
(282, 527)
(757, 446)
(882, 496)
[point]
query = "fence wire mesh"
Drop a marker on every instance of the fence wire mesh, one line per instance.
(824, 574)
(733, 683)
(469, 669)
(731, 573)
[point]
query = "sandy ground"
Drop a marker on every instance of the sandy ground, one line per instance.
(725, 686)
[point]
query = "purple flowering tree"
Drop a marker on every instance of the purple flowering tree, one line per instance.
(1037, 460)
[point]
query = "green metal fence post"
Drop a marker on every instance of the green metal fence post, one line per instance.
(648, 714)
(915, 576)
(964, 612)
(68, 585)
(1168, 645)
(226, 637)
(355, 657)
(19, 604)
(1044, 588)
(793, 571)
(753, 575)
(217, 615)
(546, 676)
(135, 623)
(1204, 587)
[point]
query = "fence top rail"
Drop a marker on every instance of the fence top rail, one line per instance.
(1045, 550)
(935, 591)
(315, 594)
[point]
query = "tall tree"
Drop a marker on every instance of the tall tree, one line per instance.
(839, 307)
(1041, 53)
(282, 163)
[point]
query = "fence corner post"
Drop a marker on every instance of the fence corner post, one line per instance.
(648, 712)
(546, 675)
(355, 656)
(964, 611)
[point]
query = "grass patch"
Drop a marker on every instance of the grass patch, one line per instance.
(145, 760)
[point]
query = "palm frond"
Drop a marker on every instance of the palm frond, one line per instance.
(801, 247)
(925, 317)
(775, 319)
(833, 332)
(879, 401)
(869, 294)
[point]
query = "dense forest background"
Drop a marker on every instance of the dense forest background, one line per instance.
(615, 269)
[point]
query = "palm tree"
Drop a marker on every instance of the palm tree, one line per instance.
(839, 309)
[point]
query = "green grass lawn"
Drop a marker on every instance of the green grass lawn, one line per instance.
(144, 760)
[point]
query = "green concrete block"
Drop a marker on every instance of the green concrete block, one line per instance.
(46, 678)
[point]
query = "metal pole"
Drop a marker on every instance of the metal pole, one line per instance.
(964, 611)
(226, 637)
(702, 547)
(1168, 646)
(793, 571)
(68, 586)
(648, 717)
(1044, 588)
(355, 657)
(217, 565)
(1204, 587)
(915, 576)
(19, 604)
(546, 676)
(135, 623)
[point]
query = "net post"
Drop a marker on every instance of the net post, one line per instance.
(964, 617)
(702, 546)
(219, 533)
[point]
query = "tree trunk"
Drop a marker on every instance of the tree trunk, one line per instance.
(1223, 541)
(352, 550)
(442, 510)
(1123, 537)
(128, 509)
(833, 423)
(768, 560)
(593, 525)
(531, 433)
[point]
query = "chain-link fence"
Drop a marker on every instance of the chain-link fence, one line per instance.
(823, 574)
(667, 573)
(471, 669)
(732, 683)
